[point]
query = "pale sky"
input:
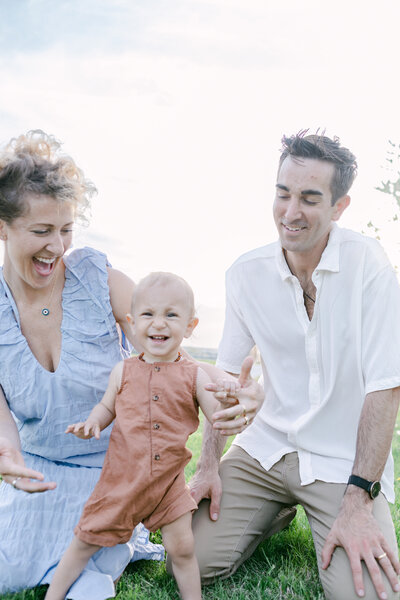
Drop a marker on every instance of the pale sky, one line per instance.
(175, 110)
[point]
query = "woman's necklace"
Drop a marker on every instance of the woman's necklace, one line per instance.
(46, 311)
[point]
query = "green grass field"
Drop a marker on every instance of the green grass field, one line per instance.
(282, 568)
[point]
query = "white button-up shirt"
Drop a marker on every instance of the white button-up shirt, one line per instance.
(316, 373)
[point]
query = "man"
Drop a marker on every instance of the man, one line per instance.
(323, 307)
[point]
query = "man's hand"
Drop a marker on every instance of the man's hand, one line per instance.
(245, 399)
(207, 487)
(356, 531)
(12, 469)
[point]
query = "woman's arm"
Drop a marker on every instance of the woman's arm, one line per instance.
(12, 465)
(121, 290)
(8, 428)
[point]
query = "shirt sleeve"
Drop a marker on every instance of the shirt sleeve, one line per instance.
(237, 340)
(380, 332)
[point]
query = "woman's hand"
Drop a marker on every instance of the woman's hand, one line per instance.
(14, 472)
(243, 400)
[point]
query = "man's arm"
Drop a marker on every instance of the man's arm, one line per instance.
(355, 528)
(206, 482)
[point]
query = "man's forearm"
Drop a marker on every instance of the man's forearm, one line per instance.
(212, 448)
(375, 432)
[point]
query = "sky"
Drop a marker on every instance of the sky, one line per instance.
(175, 110)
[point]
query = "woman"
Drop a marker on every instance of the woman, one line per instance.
(58, 343)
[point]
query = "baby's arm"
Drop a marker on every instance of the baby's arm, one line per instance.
(207, 401)
(104, 412)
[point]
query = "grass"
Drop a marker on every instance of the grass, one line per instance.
(282, 568)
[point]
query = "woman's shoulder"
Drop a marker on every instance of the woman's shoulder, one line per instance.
(83, 258)
(86, 269)
(8, 323)
(5, 298)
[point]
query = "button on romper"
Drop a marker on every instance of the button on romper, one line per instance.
(143, 474)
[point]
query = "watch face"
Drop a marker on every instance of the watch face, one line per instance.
(375, 489)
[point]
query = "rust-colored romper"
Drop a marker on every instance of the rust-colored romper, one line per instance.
(143, 473)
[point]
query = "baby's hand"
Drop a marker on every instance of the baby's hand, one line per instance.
(85, 430)
(225, 391)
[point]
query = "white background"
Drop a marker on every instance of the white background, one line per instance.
(175, 109)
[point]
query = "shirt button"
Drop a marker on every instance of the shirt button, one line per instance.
(156, 426)
(157, 457)
(155, 397)
(157, 368)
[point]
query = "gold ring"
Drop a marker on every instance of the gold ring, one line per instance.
(246, 419)
(381, 556)
(15, 481)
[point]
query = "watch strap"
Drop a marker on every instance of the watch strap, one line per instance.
(360, 482)
(371, 487)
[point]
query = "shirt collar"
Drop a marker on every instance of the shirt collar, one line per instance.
(330, 259)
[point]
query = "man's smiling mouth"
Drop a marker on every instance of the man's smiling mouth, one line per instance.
(289, 228)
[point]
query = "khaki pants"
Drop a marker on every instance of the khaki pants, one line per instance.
(252, 499)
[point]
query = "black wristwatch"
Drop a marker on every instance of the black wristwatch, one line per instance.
(371, 487)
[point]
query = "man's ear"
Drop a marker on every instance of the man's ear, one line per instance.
(190, 326)
(340, 206)
(130, 320)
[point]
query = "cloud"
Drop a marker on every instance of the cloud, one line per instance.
(238, 33)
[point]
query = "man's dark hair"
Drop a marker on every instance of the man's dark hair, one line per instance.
(321, 147)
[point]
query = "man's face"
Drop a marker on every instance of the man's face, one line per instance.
(303, 210)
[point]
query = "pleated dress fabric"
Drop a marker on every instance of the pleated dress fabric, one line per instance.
(35, 529)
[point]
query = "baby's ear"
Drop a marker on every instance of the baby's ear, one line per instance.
(190, 326)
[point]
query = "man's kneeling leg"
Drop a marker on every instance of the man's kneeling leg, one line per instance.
(249, 515)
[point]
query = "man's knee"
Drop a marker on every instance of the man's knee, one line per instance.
(337, 581)
(220, 554)
(212, 562)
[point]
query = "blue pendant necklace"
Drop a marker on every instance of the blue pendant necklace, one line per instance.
(46, 311)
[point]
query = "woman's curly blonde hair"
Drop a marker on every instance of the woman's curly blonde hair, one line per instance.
(33, 163)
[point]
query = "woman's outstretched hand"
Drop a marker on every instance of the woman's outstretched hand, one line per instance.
(14, 472)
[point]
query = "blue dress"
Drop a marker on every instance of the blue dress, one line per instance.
(35, 529)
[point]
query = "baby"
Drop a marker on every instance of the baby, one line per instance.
(154, 400)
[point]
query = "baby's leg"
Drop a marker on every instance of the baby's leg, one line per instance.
(179, 543)
(69, 568)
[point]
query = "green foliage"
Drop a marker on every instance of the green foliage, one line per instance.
(392, 185)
